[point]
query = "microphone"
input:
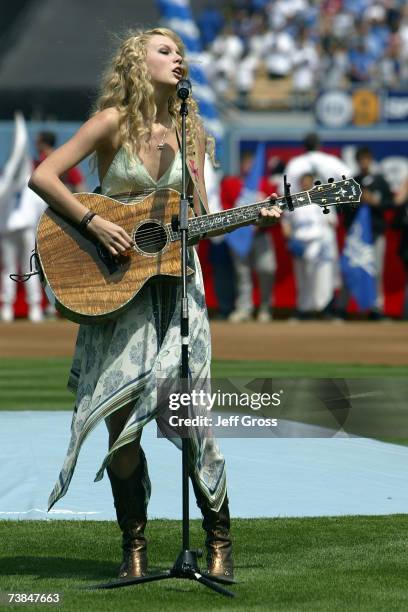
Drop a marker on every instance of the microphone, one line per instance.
(183, 89)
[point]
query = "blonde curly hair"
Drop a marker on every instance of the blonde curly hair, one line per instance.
(126, 85)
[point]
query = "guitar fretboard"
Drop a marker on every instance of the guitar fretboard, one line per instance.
(228, 220)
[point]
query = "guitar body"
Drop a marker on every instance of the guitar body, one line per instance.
(87, 283)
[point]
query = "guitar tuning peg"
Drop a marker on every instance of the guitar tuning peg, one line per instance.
(343, 176)
(325, 210)
(318, 182)
(331, 180)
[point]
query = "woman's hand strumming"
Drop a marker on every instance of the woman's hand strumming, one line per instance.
(112, 236)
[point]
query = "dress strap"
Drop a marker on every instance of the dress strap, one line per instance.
(194, 163)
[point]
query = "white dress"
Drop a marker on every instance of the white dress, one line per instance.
(121, 361)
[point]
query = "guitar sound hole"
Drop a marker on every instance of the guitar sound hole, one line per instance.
(150, 238)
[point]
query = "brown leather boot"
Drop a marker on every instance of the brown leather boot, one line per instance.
(218, 541)
(130, 503)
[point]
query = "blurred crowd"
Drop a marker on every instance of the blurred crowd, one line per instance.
(314, 44)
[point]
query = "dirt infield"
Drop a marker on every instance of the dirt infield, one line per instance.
(364, 343)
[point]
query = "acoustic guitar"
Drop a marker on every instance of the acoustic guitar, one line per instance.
(88, 284)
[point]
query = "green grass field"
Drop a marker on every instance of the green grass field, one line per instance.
(40, 384)
(350, 563)
(315, 564)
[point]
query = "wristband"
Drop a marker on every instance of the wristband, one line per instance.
(86, 219)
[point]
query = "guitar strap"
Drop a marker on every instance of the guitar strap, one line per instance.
(195, 162)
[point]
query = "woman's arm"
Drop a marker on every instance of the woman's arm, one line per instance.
(97, 134)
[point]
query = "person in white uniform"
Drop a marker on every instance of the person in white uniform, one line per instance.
(311, 234)
(312, 242)
(20, 209)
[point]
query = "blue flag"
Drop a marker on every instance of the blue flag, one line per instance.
(240, 240)
(358, 260)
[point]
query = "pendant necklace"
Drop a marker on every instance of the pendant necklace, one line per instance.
(160, 146)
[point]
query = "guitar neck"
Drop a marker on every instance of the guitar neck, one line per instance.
(228, 220)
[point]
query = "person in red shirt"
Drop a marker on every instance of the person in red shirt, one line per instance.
(73, 178)
(261, 257)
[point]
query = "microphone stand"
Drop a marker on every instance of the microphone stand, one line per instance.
(186, 564)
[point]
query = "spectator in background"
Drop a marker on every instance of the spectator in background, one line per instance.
(45, 144)
(401, 222)
(20, 210)
(318, 163)
(17, 241)
(362, 61)
(390, 71)
(245, 78)
(279, 55)
(261, 40)
(378, 32)
(377, 194)
(311, 241)
(342, 25)
(219, 252)
(243, 24)
(226, 50)
(305, 69)
(261, 257)
(334, 66)
(281, 12)
(322, 166)
(402, 29)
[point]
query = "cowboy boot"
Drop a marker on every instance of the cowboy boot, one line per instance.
(218, 541)
(130, 503)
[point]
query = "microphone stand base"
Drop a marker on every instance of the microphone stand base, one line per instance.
(185, 567)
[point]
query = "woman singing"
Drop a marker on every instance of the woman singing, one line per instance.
(134, 135)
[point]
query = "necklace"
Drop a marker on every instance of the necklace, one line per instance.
(160, 145)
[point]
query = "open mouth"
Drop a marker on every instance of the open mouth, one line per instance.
(178, 72)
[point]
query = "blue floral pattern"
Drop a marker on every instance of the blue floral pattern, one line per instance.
(112, 381)
(118, 342)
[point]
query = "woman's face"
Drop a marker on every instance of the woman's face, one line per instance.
(163, 60)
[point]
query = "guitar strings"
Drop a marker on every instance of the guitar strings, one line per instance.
(241, 209)
(155, 235)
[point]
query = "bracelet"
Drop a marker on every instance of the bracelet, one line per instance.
(86, 219)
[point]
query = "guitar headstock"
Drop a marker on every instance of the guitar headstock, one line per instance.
(346, 191)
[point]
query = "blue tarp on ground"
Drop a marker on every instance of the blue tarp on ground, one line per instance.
(286, 477)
